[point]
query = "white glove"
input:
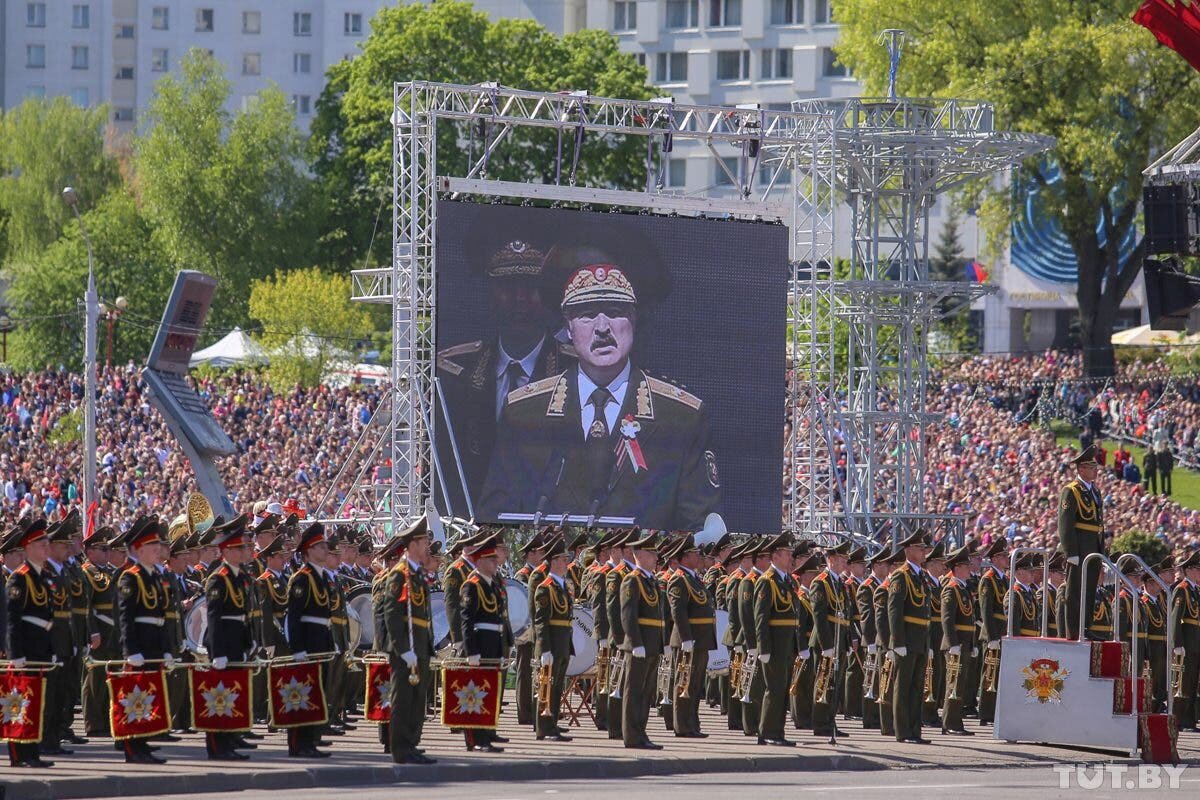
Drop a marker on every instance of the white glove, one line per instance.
(668, 650)
(473, 661)
(302, 655)
(974, 652)
(737, 648)
(688, 646)
(94, 641)
(956, 650)
(901, 652)
(765, 658)
(929, 653)
(1073, 560)
(136, 660)
(18, 663)
(872, 649)
(827, 652)
(1177, 651)
(639, 652)
(410, 658)
(994, 644)
(168, 660)
(805, 653)
(547, 658)
(752, 652)
(602, 643)
(220, 662)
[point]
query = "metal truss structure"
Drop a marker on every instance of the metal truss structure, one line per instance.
(862, 364)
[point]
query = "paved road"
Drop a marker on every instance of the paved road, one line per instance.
(997, 784)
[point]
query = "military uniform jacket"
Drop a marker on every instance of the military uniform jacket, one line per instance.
(452, 582)
(1080, 520)
(1047, 593)
(1125, 630)
(483, 618)
(228, 631)
(992, 588)
(379, 611)
(142, 606)
(598, 598)
(310, 605)
(883, 628)
(272, 589)
(1185, 613)
(909, 606)
(1153, 620)
(100, 591)
(1102, 612)
(612, 596)
(1027, 618)
(692, 613)
(804, 614)
(957, 616)
(864, 599)
(540, 451)
(668, 624)
(62, 642)
(713, 579)
(574, 578)
(73, 574)
(641, 613)
(775, 615)
(729, 601)
(406, 587)
(745, 609)
(830, 612)
(29, 614)
(553, 607)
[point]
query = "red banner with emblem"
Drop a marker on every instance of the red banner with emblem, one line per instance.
(22, 706)
(297, 697)
(471, 697)
(378, 705)
(221, 699)
(139, 704)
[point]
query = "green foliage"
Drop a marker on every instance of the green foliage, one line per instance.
(450, 41)
(1150, 548)
(67, 430)
(1080, 72)
(309, 323)
(46, 144)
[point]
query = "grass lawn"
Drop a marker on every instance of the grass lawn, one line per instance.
(1185, 483)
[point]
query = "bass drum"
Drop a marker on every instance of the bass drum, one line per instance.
(718, 660)
(360, 612)
(441, 622)
(518, 608)
(582, 628)
(195, 623)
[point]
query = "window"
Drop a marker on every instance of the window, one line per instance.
(301, 103)
(124, 73)
(159, 59)
(821, 12)
(251, 63)
(625, 15)
(733, 65)
(776, 64)
(159, 19)
(79, 57)
(672, 67)
(123, 115)
(725, 13)
(80, 96)
(124, 32)
(787, 12)
(35, 91)
(35, 15)
(677, 172)
(81, 16)
(731, 164)
(765, 171)
(251, 22)
(832, 68)
(35, 56)
(204, 20)
(352, 24)
(302, 24)
(302, 63)
(683, 14)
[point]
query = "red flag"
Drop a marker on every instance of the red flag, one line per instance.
(22, 706)
(296, 695)
(471, 697)
(139, 704)
(378, 704)
(1176, 25)
(221, 699)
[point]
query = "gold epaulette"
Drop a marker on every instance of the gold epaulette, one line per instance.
(664, 389)
(443, 357)
(533, 389)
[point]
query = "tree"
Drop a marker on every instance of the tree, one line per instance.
(947, 265)
(1080, 72)
(44, 146)
(308, 321)
(1151, 549)
(449, 41)
(225, 191)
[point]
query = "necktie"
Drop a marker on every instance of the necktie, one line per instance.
(516, 375)
(599, 427)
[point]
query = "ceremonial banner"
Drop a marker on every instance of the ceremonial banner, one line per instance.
(297, 698)
(471, 697)
(139, 704)
(221, 700)
(22, 705)
(378, 704)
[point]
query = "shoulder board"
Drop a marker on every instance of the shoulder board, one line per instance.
(664, 389)
(989, 573)
(548, 582)
(223, 571)
(21, 570)
(886, 582)
(473, 579)
(443, 357)
(533, 389)
(266, 575)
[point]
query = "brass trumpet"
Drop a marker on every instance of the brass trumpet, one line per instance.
(1177, 676)
(885, 678)
(683, 674)
(929, 698)
(602, 664)
(953, 667)
(822, 680)
(617, 674)
(735, 674)
(991, 670)
(870, 672)
(665, 674)
(798, 667)
(748, 671)
(545, 677)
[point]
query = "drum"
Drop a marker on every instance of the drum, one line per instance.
(718, 660)
(195, 623)
(441, 622)
(518, 607)
(582, 627)
(360, 612)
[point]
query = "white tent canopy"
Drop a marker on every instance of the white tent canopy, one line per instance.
(1143, 336)
(235, 349)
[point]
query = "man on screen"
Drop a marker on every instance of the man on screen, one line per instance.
(603, 437)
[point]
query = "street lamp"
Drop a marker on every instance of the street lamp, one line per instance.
(91, 314)
(111, 315)
(6, 327)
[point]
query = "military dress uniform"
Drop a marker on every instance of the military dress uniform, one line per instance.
(830, 633)
(801, 700)
(100, 589)
(228, 592)
(272, 590)
(714, 683)
(958, 632)
(616, 632)
(733, 641)
(775, 625)
(452, 582)
(1080, 533)
(309, 630)
(482, 634)
(553, 609)
(524, 679)
(1185, 614)
(864, 601)
(407, 590)
(694, 621)
(642, 624)
(883, 640)
(142, 605)
(909, 608)
(598, 600)
(993, 586)
(751, 701)
(1154, 618)
(28, 619)
(62, 647)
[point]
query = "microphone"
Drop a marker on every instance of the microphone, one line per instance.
(545, 498)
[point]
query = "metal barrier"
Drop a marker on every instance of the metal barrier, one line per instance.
(1166, 595)
(1012, 577)
(1107, 564)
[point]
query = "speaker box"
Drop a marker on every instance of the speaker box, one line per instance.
(1170, 222)
(1171, 294)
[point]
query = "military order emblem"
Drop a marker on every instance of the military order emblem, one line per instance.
(1044, 680)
